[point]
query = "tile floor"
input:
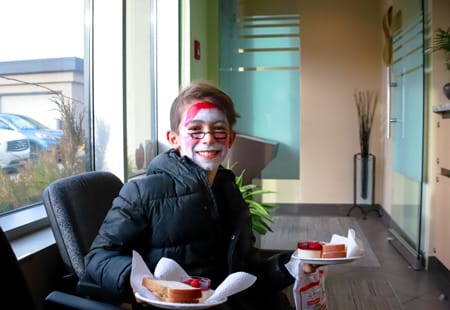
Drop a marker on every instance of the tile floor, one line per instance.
(415, 290)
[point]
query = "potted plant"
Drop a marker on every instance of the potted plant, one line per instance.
(366, 103)
(441, 42)
(260, 211)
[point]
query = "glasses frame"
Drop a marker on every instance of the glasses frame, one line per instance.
(199, 135)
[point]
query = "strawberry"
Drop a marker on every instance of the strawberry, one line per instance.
(195, 282)
(203, 283)
(309, 245)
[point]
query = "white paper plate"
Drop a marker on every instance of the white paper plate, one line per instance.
(326, 261)
(176, 305)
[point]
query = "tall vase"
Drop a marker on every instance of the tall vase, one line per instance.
(364, 179)
(364, 176)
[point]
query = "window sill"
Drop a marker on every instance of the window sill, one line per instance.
(28, 230)
(33, 243)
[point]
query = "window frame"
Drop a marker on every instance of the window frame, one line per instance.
(22, 224)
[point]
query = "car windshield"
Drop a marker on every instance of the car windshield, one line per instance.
(23, 122)
(3, 125)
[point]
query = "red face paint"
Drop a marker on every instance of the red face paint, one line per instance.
(195, 108)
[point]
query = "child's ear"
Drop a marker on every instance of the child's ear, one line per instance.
(232, 138)
(172, 138)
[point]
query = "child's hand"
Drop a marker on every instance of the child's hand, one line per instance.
(308, 268)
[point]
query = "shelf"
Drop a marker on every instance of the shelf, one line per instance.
(445, 172)
(443, 109)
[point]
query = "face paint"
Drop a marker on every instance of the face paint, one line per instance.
(203, 111)
(208, 152)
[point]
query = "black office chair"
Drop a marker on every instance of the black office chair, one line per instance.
(16, 293)
(76, 206)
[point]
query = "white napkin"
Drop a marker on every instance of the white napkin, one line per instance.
(233, 284)
(354, 245)
(168, 269)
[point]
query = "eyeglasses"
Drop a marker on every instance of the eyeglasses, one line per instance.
(198, 135)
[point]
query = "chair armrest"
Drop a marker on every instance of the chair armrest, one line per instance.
(59, 300)
(87, 287)
(266, 253)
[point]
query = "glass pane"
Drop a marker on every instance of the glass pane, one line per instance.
(261, 55)
(140, 51)
(42, 97)
(407, 113)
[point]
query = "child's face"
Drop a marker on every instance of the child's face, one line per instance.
(204, 135)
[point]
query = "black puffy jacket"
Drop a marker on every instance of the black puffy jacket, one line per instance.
(173, 212)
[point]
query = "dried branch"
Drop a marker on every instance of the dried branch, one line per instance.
(366, 103)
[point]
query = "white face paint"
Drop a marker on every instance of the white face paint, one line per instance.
(208, 152)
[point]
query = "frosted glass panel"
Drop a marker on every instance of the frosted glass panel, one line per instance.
(260, 59)
(407, 73)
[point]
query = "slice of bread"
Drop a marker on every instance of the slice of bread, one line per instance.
(334, 251)
(173, 291)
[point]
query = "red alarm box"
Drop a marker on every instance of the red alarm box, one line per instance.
(197, 49)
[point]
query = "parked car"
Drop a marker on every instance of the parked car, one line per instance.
(39, 135)
(14, 149)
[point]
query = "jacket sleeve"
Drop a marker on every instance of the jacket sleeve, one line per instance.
(271, 272)
(108, 261)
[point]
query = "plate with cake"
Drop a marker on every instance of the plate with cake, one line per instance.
(185, 295)
(323, 253)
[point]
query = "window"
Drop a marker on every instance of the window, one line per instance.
(140, 85)
(49, 67)
(43, 105)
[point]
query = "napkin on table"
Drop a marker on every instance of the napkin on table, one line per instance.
(168, 269)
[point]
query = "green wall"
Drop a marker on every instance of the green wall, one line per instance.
(201, 18)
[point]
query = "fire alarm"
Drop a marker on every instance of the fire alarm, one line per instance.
(197, 49)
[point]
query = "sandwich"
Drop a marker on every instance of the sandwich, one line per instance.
(173, 291)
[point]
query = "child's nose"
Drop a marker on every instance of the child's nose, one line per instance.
(209, 138)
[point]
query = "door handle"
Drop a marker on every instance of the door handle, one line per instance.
(388, 102)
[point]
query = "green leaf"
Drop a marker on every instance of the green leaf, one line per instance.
(261, 214)
(259, 211)
(270, 206)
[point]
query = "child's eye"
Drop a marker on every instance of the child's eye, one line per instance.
(194, 128)
(220, 128)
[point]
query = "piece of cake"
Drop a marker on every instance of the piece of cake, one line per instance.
(309, 249)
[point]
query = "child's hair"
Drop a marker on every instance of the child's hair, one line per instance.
(202, 91)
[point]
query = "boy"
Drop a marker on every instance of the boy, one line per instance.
(189, 208)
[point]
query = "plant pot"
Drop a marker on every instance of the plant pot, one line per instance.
(446, 90)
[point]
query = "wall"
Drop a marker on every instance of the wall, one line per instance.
(200, 22)
(340, 53)
(43, 272)
(341, 50)
(438, 189)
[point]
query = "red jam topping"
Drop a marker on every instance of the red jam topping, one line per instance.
(309, 245)
(203, 283)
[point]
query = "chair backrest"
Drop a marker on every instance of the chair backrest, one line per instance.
(76, 206)
(13, 281)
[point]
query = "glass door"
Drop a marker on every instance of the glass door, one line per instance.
(259, 68)
(406, 127)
